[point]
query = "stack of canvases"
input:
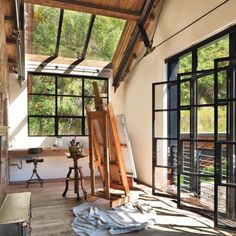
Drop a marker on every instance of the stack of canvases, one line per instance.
(93, 221)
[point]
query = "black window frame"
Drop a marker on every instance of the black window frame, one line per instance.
(193, 139)
(56, 117)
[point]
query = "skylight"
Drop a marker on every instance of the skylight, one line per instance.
(56, 32)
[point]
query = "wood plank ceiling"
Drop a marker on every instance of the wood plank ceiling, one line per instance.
(9, 27)
(14, 31)
(139, 14)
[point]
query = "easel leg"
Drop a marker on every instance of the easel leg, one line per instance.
(67, 182)
(82, 183)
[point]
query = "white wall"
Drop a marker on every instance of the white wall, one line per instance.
(176, 14)
(52, 167)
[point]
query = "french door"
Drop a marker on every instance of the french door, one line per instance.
(225, 152)
(194, 141)
(165, 136)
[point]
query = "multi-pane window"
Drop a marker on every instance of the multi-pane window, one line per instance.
(51, 31)
(57, 103)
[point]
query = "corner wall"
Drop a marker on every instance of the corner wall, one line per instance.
(175, 16)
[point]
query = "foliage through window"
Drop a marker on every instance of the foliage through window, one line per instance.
(200, 76)
(43, 33)
(56, 103)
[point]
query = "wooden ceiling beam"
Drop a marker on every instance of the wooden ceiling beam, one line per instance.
(122, 45)
(147, 9)
(88, 7)
(128, 62)
(150, 25)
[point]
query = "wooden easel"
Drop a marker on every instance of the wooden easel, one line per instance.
(105, 149)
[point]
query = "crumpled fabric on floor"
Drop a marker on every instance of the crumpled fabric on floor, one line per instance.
(92, 221)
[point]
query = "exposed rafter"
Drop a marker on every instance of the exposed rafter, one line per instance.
(147, 9)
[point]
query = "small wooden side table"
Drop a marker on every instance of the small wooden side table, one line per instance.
(78, 177)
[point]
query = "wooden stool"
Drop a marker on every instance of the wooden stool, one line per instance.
(78, 178)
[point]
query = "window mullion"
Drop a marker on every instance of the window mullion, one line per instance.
(56, 105)
(53, 104)
(83, 104)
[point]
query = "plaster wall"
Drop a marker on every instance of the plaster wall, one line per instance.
(52, 167)
(177, 15)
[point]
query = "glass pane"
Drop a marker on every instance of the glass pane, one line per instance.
(185, 63)
(41, 105)
(221, 64)
(69, 126)
(69, 106)
(161, 96)
(166, 155)
(186, 158)
(88, 87)
(41, 126)
(226, 206)
(228, 164)
(205, 90)
(73, 34)
(69, 86)
(205, 122)
(184, 123)
(207, 54)
(185, 94)
(172, 124)
(105, 37)
(222, 84)
(161, 124)
(166, 124)
(41, 29)
(41, 84)
(172, 96)
(186, 77)
(195, 193)
(173, 70)
(166, 96)
(205, 160)
(222, 122)
(89, 102)
(207, 189)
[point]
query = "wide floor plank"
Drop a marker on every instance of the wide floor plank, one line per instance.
(52, 216)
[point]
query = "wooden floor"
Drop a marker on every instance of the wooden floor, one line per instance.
(52, 216)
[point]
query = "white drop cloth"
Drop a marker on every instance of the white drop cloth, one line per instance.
(92, 221)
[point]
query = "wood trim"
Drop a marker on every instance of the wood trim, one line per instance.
(47, 152)
(122, 45)
(92, 8)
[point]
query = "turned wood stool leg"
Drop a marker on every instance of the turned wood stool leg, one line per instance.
(82, 182)
(67, 182)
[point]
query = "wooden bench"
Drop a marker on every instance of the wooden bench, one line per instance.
(15, 214)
